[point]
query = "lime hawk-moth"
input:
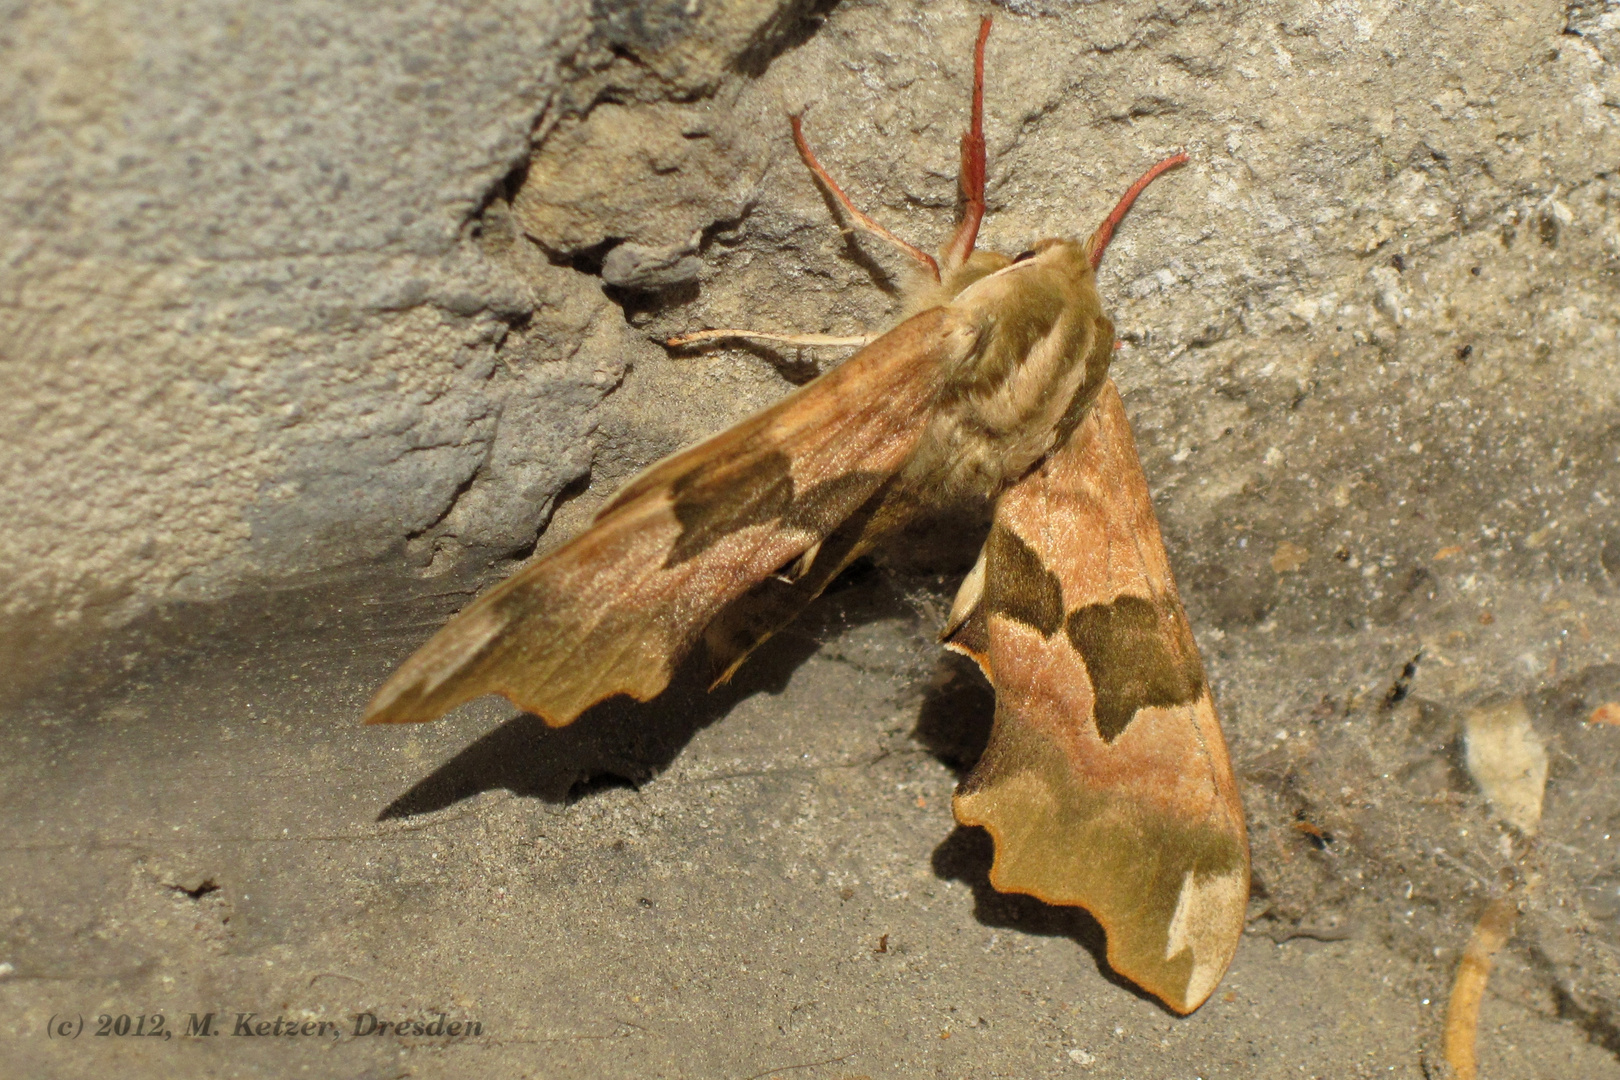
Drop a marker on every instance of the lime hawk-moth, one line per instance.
(1106, 782)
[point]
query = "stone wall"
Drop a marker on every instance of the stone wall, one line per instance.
(290, 291)
(256, 325)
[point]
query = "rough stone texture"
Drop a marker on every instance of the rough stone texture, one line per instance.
(254, 324)
(313, 315)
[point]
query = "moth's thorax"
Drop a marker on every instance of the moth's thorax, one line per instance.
(922, 292)
(1042, 351)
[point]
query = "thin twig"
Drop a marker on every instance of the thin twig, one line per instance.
(792, 1068)
(1492, 931)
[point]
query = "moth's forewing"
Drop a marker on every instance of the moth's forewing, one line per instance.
(614, 610)
(908, 523)
(1106, 783)
(774, 602)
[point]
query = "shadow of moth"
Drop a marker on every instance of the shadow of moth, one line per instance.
(1106, 782)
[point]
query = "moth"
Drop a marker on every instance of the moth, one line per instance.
(1106, 782)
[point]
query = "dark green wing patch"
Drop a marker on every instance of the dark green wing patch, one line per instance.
(1019, 586)
(1139, 654)
(721, 496)
(821, 507)
(726, 495)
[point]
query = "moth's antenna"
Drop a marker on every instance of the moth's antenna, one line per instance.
(1105, 232)
(971, 178)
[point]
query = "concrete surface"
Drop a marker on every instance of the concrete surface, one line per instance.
(315, 316)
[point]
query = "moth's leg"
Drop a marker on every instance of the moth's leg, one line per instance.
(861, 220)
(854, 340)
(969, 595)
(971, 179)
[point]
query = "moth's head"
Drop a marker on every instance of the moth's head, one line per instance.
(1067, 257)
(1076, 260)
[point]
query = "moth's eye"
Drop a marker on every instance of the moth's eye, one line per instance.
(1022, 255)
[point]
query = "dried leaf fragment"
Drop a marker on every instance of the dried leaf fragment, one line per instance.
(1508, 761)
(1607, 713)
(1289, 557)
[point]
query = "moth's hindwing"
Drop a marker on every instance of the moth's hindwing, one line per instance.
(1106, 783)
(615, 609)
